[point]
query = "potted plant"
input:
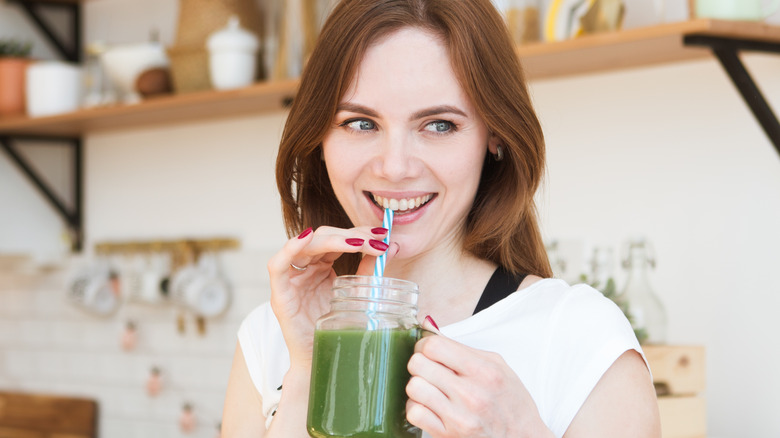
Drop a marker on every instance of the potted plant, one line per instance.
(14, 58)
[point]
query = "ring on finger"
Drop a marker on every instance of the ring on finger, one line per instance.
(298, 268)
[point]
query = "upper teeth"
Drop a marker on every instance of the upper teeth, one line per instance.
(402, 204)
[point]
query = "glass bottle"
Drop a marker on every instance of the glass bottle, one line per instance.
(97, 92)
(644, 308)
(523, 18)
(361, 349)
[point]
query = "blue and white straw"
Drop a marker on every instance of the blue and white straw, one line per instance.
(387, 223)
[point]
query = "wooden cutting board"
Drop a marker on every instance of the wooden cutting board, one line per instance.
(46, 416)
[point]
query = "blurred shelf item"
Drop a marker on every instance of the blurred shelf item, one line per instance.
(679, 378)
(151, 246)
(40, 2)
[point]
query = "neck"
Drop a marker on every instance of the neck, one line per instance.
(451, 282)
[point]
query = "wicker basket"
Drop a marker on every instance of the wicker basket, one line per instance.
(197, 20)
(189, 68)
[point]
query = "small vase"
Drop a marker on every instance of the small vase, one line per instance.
(12, 85)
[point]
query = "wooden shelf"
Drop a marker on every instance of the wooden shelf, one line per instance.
(589, 54)
(634, 47)
(258, 98)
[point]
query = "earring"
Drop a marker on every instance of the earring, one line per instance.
(499, 155)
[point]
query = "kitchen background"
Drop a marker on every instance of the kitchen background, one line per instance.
(669, 152)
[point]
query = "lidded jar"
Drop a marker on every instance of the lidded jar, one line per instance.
(232, 56)
(359, 363)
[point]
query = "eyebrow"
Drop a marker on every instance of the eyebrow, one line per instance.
(441, 109)
(355, 108)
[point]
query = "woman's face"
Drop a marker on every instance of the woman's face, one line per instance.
(406, 136)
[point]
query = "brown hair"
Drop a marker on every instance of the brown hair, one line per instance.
(502, 225)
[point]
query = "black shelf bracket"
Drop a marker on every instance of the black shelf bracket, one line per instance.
(727, 51)
(69, 48)
(71, 51)
(73, 217)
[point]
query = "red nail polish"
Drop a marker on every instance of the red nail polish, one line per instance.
(433, 323)
(305, 233)
(378, 244)
(379, 230)
(355, 242)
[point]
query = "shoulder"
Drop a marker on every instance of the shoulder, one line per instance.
(581, 320)
(588, 333)
(585, 312)
(572, 302)
(558, 297)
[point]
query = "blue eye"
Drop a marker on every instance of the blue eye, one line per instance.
(440, 126)
(359, 124)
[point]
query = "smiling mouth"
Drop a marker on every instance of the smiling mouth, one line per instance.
(402, 205)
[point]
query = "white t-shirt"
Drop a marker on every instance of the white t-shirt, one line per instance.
(559, 339)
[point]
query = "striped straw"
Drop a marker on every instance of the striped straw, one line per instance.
(387, 223)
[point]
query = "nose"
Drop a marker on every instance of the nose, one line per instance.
(397, 158)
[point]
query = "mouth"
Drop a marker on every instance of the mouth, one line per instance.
(401, 206)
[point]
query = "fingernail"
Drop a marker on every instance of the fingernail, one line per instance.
(355, 242)
(433, 323)
(379, 230)
(378, 244)
(305, 233)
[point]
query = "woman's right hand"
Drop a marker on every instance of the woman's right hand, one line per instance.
(300, 297)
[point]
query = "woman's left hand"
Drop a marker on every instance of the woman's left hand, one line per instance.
(459, 391)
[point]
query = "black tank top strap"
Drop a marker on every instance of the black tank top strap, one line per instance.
(500, 286)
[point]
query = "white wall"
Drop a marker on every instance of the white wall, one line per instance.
(670, 152)
(202, 179)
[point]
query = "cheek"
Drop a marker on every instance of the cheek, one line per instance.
(343, 169)
(463, 170)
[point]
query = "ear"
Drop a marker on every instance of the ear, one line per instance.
(493, 143)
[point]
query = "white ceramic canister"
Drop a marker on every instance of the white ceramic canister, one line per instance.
(232, 56)
(53, 87)
(750, 10)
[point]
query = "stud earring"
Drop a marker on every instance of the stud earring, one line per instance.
(499, 155)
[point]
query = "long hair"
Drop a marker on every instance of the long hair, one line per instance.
(502, 223)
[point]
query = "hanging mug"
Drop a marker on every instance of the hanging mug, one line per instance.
(93, 289)
(207, 293)
(749, 10)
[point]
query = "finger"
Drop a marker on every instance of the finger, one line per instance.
(421, 416)
(366, 266)
(435, 374)
(325, 244)
(279, 263)
(330, 247)
(459, 358)
(430, 325)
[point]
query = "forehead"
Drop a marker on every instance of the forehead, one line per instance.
(408, 64)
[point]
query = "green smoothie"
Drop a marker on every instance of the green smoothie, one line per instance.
(358, 384)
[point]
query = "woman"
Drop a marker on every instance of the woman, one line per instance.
(420, 106)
